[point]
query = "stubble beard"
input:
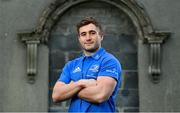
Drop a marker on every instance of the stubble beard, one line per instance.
(93, 49)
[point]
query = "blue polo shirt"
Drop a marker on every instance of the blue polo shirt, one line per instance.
(101, 63)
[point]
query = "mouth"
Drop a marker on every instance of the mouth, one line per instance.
(88, 43)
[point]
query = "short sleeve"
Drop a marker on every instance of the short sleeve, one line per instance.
(110, 67)
(65, 75)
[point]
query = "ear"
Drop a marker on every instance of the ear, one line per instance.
(78, 36)
(102, 36)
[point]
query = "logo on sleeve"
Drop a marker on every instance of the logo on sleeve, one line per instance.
(112, 71)
(77, 69)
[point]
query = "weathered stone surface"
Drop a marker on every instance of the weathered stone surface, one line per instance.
(130, 80)
(16, 15)
(57, 59)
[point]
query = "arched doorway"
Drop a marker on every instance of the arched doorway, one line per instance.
(120, 39)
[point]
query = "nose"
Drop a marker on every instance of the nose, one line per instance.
(88, 37)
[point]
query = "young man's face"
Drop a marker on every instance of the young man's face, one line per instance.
(90, 38)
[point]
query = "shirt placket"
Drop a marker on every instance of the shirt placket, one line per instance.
(87, 62)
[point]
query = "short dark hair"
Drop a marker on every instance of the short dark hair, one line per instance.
(88, 20)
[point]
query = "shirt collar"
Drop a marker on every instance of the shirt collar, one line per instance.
(98, 54)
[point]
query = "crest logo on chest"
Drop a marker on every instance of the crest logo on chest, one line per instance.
(94, 68)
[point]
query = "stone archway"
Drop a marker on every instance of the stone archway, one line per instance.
(136, 13)
(120, 39)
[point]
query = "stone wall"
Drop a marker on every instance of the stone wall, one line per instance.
(18, 95)
(164, 96)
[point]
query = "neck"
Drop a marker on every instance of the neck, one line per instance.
(88, 53)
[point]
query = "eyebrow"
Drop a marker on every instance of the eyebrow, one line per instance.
(88, 32)
(92, 31)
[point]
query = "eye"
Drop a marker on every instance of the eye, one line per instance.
(92, 32)
(83, 34)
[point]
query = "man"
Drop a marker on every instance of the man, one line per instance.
(92, 80)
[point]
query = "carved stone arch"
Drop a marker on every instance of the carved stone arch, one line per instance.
(135, 11)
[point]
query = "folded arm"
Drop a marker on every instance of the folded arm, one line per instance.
(100, 92)
(64, 91)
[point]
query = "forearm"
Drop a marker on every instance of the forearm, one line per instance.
(65, 91)
(94, 94)
(100, 92)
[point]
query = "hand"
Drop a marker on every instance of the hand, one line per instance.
(87, 82)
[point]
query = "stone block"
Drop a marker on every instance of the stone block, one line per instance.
(127, 60)
(127, 43)
(54, 75)
(74, 54)
(111, 43)
(120, 43)
(56, 59)
(130, 80)
(64, 43)
(131, 109)
(127, 98)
